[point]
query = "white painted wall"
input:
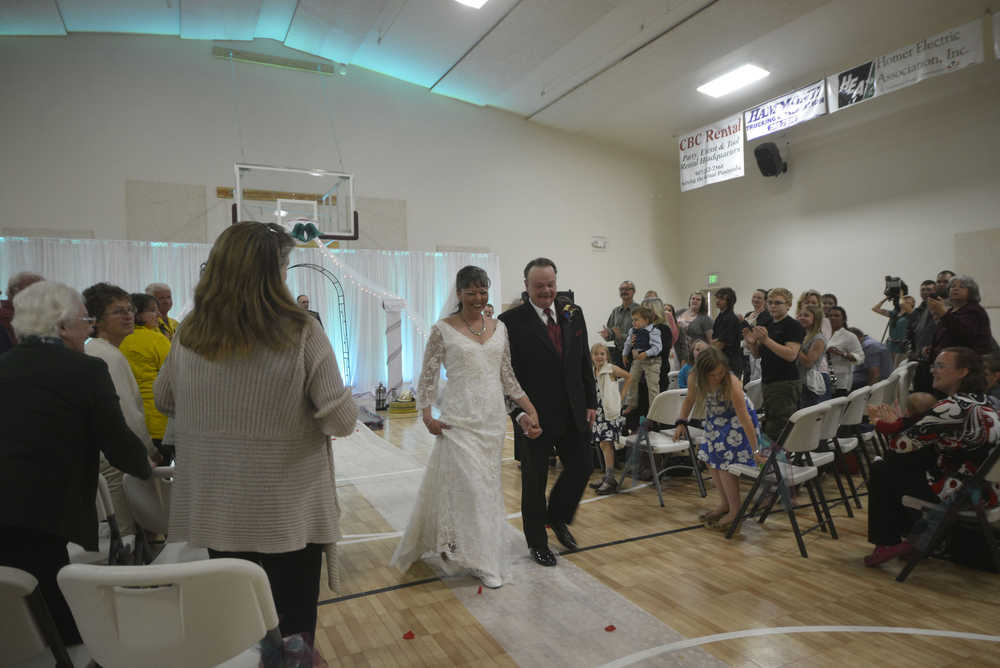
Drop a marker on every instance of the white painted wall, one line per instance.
(83, 114)
(868, 193)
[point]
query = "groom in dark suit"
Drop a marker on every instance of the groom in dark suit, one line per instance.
(551, 359)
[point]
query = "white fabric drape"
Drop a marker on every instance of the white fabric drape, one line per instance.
(423, 279)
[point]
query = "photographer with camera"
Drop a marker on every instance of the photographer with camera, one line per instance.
(903, 305)
(920, 335)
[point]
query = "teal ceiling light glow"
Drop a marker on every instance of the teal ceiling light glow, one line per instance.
(212, 21)
(40, 17)
(151, 17)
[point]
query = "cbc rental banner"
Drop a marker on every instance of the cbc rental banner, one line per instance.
(785, 111)
(712, 153)
(946, 52)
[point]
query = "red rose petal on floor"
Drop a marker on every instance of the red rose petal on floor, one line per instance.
(609, 628)
(480, 589)
(408, 635)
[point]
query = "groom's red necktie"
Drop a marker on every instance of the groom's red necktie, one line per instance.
(554, 335)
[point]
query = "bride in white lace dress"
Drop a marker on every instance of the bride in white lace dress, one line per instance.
(459, 513)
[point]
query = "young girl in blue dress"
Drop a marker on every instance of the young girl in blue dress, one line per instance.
(730, 430)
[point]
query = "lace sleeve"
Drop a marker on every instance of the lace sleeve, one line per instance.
(430, 374)
(511, 388)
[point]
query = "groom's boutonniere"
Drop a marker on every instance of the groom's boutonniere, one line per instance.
(569, 310)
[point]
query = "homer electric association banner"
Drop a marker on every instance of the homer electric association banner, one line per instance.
(712, 153)
(946, 52)
(785, 111)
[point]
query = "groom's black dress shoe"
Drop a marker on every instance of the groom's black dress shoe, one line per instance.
(565, 537)
(543, 556)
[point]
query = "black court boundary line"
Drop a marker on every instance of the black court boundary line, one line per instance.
(620, 541)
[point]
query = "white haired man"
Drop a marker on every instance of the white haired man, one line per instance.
(164, 301)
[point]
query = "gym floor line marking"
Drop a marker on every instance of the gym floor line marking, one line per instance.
(783, 630)
(404, 585)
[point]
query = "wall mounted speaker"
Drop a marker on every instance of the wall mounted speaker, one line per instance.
(769, 160)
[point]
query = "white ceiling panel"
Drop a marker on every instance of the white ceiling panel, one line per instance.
(30, 17)
(419, 41)
(333, 29)
(151, 17)
(529, 36)
(275, 17)
(220, 19)
(617, 34)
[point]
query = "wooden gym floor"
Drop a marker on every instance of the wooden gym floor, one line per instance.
(658, 577)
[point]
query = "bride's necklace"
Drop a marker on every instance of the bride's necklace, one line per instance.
(482, 320)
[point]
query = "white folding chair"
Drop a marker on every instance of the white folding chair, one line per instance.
(196, 614)
(755, 391)
(149, 501)
(111, 544)
(26, 626)
(800, 435)
(963, 508)
(672, 379)
(839, 447)
(665, 410)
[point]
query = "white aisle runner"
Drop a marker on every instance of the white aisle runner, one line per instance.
(544, 616)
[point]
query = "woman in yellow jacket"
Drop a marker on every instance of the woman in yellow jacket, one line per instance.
(146, 349)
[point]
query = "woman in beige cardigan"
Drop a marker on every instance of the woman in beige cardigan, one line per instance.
(254, 390)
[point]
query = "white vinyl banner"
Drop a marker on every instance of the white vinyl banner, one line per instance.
(943, 53)
(947, 52)
(712, 153)
(785, 111)
(996, 35)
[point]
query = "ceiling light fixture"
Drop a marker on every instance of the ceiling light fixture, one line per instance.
(732, 81)
(475, 4)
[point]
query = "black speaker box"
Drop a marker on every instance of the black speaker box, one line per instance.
(769, 159)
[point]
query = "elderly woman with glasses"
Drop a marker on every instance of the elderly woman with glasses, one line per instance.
(931, 456)
(59, 413)
(961, 321)
(111, 307)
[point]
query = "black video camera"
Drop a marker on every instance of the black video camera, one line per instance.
(894, 289)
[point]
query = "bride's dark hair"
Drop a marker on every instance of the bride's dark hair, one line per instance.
(468, 277)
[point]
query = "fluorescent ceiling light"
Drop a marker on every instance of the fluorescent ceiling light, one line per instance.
(475, 4)
(734, 80)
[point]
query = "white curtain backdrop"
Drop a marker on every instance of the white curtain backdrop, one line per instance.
(424, 280)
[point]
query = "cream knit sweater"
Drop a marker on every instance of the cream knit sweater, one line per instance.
(254, 465)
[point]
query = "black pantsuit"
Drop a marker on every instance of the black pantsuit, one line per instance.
(891, 479)
(294, 578)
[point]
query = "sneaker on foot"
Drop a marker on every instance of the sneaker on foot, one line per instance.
(884, 553)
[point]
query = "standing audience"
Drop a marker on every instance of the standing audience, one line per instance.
(877, 364)
(694, 322)
(164, 302)
(660, 317)
(844, 351)
(814, 298)
(922, 327)
(777, 345)
(758, 316)
(620, 320)
(642, 349)
(899, 325)
(965, 323)
(114, 316)
(253, 387)
(146, 349)
(608, 423)
(59, 412)
(726, 334)
(815, 384)
(17, 282)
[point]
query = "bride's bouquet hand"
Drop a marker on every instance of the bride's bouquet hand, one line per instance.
(435, 426)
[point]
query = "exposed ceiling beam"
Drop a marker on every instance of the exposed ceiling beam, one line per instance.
(477, 43)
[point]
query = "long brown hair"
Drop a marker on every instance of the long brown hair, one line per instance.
(709, 360)
(241, 300)
(817, 314)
